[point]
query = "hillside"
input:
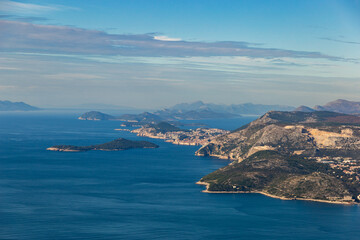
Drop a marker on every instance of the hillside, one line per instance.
(269, 153)
(164, 127)
(16, 106)
(95, 115)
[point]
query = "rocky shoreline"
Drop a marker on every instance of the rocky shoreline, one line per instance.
(115, 145)
(271, 195)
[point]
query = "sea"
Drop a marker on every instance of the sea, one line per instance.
(136, 194)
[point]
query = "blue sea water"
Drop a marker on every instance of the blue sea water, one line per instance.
(136, 194)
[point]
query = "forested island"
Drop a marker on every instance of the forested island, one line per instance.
(115, 145)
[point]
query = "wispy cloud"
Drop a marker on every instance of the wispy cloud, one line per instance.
(19, 7)
(23, 18)
(27, 37)
(166, 38)
(73, 76)
(339, 40)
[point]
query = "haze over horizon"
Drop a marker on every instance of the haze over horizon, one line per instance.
(153, 54)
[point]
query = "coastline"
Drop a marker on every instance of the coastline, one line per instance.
(272, 196)
(61, 150)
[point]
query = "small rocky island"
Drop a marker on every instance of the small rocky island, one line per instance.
(115, 145)
(290, 155)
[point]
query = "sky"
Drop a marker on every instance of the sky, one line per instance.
(153, 54)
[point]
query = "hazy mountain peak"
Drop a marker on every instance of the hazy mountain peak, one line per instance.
(340, 105)
(16, 106)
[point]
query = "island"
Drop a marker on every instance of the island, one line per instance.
(96, 116)
(175, 135)
(115, 145)
(290, 155)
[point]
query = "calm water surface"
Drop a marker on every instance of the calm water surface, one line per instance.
(136, 194)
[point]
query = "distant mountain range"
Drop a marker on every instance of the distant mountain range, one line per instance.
(189, 111)
(237, 109)
(16, 106)
(340, 106)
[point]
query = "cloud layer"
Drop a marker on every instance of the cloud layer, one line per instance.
(27, 37)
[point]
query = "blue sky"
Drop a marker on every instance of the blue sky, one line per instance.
(151, 54)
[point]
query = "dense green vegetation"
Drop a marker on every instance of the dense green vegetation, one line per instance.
(164, 127)
(118, 144)
(286, 176)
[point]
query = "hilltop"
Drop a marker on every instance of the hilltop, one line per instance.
(303, 155)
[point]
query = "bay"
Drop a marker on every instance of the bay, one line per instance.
(136, 194)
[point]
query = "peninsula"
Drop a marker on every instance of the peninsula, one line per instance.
(290, 155)
(175, 135)
(115, 145)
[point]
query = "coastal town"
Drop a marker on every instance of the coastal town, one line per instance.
(199, 136)
(347, 165)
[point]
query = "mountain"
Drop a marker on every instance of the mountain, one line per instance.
(95, 115)
(191, 111)
(115, 145)
(173, 115)
(302, 155)
(237, 109)
(341, 106)
(257, 109)
(16, 106)
(158, 116)
(303, 108)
